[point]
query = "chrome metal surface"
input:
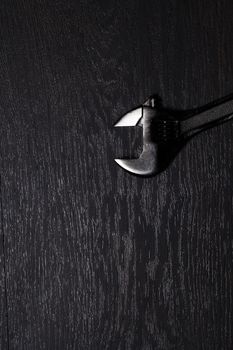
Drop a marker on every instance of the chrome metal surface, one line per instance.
(165, 133)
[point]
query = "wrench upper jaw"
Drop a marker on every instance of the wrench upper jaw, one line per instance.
(131, 118)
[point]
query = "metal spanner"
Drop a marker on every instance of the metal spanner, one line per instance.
(165, 132)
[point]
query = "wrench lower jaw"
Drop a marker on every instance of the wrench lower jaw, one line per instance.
(137, 166)
(152, 161)
(145, 165)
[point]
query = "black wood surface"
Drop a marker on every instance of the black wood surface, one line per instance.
(92, 257)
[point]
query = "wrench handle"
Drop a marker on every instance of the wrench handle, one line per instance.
(209, 117)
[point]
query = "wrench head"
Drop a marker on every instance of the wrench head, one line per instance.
(155, 156)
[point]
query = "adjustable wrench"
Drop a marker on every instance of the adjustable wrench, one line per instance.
(165, 131)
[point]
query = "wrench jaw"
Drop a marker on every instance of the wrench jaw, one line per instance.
(153, 162)
(145, 165)
(131, 118)
(136, 167)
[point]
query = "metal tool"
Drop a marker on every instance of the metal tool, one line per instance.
(165, 131)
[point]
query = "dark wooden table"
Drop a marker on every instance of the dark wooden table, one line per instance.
(91, 257)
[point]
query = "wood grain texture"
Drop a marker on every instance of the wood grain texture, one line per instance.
(3, 294)
(96, 258)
